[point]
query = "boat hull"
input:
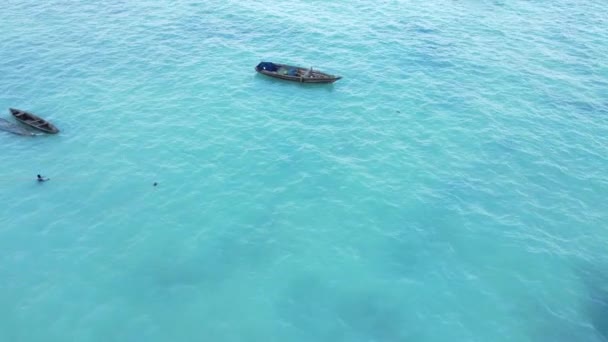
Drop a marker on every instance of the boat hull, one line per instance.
(34, 121)
(300, 75)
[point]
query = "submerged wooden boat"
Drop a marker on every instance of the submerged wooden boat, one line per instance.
(34, 121)
(294, 73)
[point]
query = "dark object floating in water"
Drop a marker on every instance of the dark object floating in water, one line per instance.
(34, 121)
(294, 73)
(41, 179)
(155, 184)
(11, 127)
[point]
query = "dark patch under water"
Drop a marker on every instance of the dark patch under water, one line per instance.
(10, 127)
(595, 280)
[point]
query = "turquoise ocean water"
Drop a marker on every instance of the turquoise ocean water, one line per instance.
(451, 187)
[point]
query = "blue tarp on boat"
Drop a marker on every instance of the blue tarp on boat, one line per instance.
(268, 66)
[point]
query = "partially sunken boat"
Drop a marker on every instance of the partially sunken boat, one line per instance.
(34, 121)
(294, 73)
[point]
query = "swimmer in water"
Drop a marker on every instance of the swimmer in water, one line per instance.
(42, 179)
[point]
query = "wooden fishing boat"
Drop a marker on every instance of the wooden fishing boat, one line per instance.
(294, 73)
(34, 121)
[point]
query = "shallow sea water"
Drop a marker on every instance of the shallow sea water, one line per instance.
(451, 187)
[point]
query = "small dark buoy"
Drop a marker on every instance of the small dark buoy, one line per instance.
(155, 184)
